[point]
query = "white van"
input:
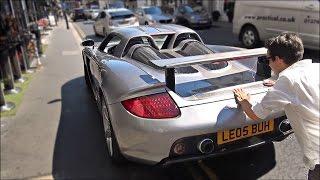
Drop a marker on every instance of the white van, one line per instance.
(256, 21)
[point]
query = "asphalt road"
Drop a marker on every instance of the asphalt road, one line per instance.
(279, 160)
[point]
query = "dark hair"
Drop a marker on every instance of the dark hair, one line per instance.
(287, 46)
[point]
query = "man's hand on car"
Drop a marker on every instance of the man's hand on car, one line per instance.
(243, 99)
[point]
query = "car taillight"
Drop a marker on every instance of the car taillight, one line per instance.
(156, 106)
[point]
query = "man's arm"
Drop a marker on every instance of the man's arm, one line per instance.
(244, 100)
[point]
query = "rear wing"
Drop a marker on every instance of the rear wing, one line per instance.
(171, 64)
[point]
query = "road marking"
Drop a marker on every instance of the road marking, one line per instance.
(70, 53)
(79, 30)
(76, 35)
(207, 170)
(46, 177)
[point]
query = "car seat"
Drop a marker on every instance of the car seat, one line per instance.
(192, 47)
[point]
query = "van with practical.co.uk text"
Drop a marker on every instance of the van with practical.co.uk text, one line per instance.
(256, 21)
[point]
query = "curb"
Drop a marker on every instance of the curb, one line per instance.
(79, 31)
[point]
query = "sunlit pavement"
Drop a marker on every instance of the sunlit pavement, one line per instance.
(58, 133)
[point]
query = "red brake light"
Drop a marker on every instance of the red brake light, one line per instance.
(156, 106)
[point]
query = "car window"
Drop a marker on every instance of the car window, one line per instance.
(153, 10)
(160, 39)
(136, 40)
(188, 9)
(110, 47)
(109, 44)
(79, 11)
(181, 10)
(121, 14)
(184, 36)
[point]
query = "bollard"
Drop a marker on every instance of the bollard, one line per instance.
(15, 64)
(66, 19)
(4, 106)
(22, 58)
(7, 74)
(38, 37)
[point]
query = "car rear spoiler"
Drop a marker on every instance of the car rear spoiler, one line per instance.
(172, 63)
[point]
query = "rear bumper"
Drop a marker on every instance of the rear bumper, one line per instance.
(152, 141)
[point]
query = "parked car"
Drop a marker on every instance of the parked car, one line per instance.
(256, 21)
(151, 15)
(87, 13)
(166, 97)
(78, 13)
(94, 13)
(186, 16)
(110, 19)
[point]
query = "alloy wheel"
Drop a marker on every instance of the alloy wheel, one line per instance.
(248, 38)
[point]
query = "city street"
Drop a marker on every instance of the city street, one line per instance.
(58, 131)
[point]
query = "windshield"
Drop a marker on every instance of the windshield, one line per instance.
(79, 10)
(153, 10)
(188, 9)
(121, 14)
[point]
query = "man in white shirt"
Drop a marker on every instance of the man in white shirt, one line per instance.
(296, 92)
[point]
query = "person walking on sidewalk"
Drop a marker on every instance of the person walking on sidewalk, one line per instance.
(296, 91)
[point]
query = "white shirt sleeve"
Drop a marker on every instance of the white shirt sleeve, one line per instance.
(276, 98)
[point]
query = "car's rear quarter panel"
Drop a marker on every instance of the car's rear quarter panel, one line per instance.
(151, 139)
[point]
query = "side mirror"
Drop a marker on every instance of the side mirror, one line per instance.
(263, 68)
(88, 42)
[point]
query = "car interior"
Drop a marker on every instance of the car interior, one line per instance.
(184, 45)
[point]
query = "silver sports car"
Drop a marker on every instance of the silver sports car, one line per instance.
(166, 97)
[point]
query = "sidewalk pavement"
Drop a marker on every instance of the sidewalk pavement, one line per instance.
(28, 139)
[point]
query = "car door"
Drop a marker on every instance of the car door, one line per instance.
(109, 47)
(309, 27)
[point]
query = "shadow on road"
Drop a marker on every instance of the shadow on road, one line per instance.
(80, 150)
(249, 165)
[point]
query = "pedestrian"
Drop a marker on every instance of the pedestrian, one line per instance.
(296, 91)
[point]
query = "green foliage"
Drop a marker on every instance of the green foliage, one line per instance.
(17, 98)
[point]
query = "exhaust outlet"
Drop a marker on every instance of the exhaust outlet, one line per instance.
(206, 146)
(285, 127)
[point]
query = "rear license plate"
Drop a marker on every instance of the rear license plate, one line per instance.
(244, 132)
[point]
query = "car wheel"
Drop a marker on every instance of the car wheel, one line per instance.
(113, 149)
(249, 37)
(146, 23)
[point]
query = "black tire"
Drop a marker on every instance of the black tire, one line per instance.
(146, 23)
(115, 156)
(249, 37)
